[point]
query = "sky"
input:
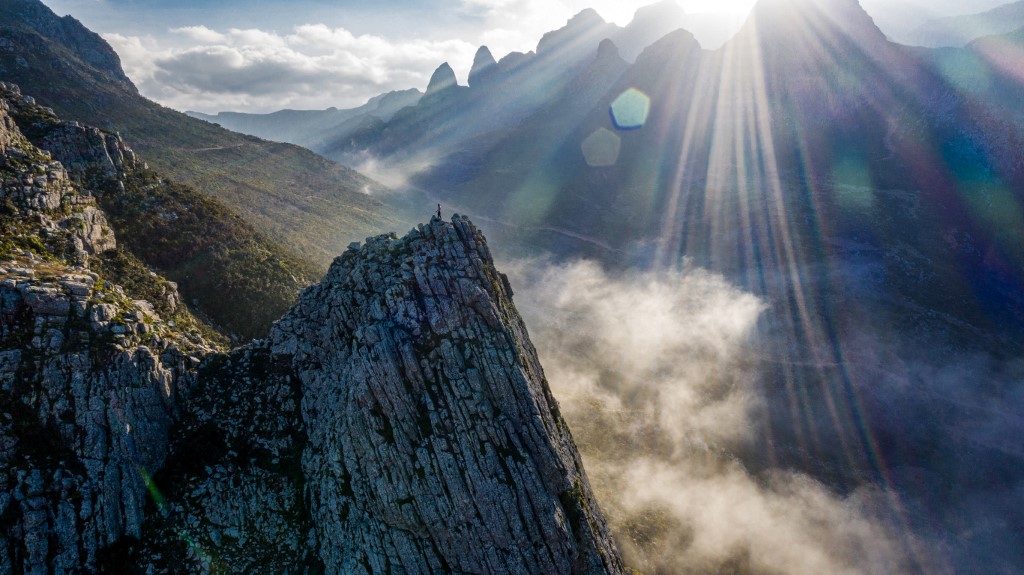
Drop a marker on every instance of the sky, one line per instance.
(266, 55)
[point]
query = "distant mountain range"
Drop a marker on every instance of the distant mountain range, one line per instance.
(328, 130)
(960, 30)
(309, 128)
(900, 18)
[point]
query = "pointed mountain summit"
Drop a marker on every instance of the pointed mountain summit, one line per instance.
(441, 80)
(650, 23)
(607, 50)
(483, 66)
(31, 22)
(672, 45)
(788, 21)
(581, 28)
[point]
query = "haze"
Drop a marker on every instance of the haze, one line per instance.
(237, 55)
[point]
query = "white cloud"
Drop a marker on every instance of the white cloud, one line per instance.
(210, 68)
(313, 66)
(657, 377)
(200, 34)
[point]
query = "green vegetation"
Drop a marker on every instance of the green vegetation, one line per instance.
(231, 273)
(124, 269)
(312, 205)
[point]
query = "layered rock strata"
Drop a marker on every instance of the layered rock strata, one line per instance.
(89, 379)
(396, 420)
(434, 441)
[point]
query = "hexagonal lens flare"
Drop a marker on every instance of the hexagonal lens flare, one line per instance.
(629, 111)
(601, 149)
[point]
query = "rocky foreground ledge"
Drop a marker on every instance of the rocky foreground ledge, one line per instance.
(397, 420)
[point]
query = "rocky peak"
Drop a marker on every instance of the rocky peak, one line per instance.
(68, 32)
(442, 80)
(432, 376)
(674, 45)
(649, 24)
(782, 22)
(583, 27)
(586, 18)
(411, 430)
(607, 50)
(483, 65)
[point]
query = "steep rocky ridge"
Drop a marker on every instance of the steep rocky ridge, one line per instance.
(89, 377)
(402, 423)
(396, 419)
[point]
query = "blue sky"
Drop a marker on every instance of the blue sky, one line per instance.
(265, 55)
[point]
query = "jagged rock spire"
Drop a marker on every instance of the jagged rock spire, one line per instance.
(442, 79)
(483, 66)
(423, 396)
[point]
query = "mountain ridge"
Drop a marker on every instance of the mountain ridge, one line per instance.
(222, 270)
(307, 128)
(390, 420)
(958, 31)
(285, 191)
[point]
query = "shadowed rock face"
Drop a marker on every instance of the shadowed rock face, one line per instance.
(443, 79)
(483, 66)
(396, 420)
(90, 380)
(433, 437)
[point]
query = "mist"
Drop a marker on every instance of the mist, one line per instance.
(659, 378)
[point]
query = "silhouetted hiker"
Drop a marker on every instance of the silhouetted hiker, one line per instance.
(439, 212)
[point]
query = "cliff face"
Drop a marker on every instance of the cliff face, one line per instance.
(396, 419)
(89, 378)
(434, 442)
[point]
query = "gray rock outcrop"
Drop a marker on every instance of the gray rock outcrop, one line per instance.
(395, 420)
(38, 188)
(89, 381)
(434, 441)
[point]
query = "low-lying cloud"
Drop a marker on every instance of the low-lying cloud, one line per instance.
(658, 378)
(314, 66)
